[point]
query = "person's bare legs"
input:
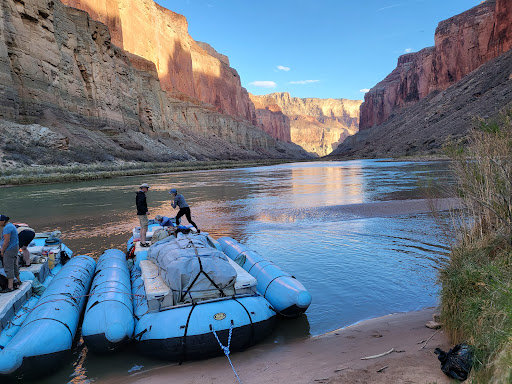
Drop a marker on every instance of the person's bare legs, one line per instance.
(143, 235)
(10, 283)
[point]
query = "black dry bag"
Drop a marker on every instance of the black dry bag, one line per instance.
(457, 362)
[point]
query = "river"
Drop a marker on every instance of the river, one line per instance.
(355, 233)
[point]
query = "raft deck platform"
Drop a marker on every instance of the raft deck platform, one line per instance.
(11, 302)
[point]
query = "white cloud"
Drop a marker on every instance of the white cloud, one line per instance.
(364, 90)
(389, 6)
(282, 68)
(264, 84)
(304, 82)
(408, 50)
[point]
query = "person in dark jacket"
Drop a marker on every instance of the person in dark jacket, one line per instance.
(142, 212)
(179, 201)
(25, 237)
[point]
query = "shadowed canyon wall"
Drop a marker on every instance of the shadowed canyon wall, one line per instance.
(186, 68)
(59, 69)
(462, 44)
(441, 117)
(317, 125)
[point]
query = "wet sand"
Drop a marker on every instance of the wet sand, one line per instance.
(335, 357)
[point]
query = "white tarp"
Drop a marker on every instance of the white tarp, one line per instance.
(184, 263)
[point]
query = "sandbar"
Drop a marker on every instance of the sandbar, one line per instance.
(335, 357)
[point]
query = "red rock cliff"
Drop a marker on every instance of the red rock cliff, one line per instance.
(462, 44)
(185, 68)
(60, 71)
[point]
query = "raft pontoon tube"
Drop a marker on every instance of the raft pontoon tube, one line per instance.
(284, 292)
(108, 320)
(186, 332)
(48, 331)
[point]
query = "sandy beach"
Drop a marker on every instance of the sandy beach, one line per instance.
(335, 357)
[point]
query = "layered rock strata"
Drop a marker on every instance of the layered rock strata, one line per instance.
(186, 68)
(59, 69)
(439, 118)
(462, 44)
(317, 125)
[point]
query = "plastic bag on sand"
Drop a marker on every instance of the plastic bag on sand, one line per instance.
(457, 362)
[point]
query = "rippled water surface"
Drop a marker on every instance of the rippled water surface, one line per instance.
(330, 224)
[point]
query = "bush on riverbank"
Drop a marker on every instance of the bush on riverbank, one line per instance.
(476, 296)
(58, 174)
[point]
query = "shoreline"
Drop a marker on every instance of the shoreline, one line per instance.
(334, 357)
(41, 174)
(35, 175)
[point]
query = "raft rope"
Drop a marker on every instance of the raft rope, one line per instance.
(226, 348)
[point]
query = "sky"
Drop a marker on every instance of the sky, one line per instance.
(321, 48)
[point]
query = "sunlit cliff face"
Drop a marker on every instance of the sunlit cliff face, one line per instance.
(185, 69)
(317, 125)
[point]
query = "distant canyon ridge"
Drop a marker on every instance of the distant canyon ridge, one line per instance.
(123, 79)
(317, 125)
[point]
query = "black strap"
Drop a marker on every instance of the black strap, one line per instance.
(139, 335)
(251, 340)
(271, 281)
(262, 260)
(197, 276)
(104, 301)
(184, 338)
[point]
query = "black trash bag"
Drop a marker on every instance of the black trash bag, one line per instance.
(457, 362)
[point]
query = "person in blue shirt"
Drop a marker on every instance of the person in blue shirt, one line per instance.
(9, 247)
(179, 201)
(164, 221)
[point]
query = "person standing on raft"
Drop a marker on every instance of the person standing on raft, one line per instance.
(9, 251)
(179, 201)
(142, 212)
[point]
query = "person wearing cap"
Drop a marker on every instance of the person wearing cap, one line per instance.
(164, 221)
(9, 251)
(142, 212)
(179, 201)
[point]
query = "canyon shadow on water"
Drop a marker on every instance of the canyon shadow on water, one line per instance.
(357, 234)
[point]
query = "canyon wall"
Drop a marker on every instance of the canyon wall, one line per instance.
(441, 117)
(187, 69)
(60, 70)
(317, 125)
(462, 44)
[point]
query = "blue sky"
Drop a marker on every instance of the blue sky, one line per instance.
(322, 48)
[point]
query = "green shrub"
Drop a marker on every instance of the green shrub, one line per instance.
(476, 296)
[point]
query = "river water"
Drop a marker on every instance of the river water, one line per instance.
(354, 233)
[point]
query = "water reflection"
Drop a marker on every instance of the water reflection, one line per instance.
(327, 184)
(79, 375)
